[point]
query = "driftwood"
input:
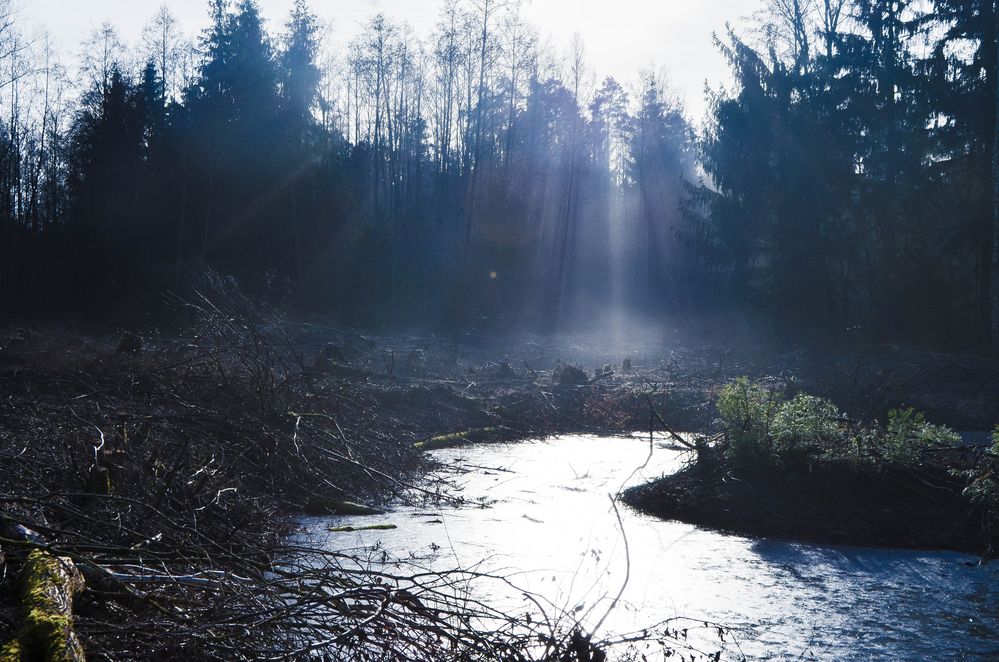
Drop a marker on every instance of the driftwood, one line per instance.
(458, 439)
(370, 527)
(48, 634)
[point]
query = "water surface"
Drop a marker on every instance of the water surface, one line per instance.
(540, 514)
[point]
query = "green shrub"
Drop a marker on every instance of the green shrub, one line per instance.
(908, 435)
(761, 426)
(982, 486)
(747, 410)
(807, 425)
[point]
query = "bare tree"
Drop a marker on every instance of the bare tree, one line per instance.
(103, 50)
(830, 16)
(787, 30)
(518, 56)
(485, 12)
(164, 43)
(577, 66)
(447, 53)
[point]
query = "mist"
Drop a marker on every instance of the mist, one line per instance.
(464, 342)
(472, 175)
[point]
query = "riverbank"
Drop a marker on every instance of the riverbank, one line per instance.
(789, 464)
(838, 503)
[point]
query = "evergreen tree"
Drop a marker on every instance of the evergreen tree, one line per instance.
(300, 73)
(107, 176)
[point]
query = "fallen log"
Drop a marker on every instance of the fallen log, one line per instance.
(457, 439)
(48, 587)
(370, 527)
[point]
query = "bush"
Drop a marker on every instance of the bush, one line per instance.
(808, 425)
(747, 411)
(908, 436)
(983, 487)
(566, 374)
(761, 426)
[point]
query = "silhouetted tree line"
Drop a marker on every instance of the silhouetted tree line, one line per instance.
(846, 180)
(472, 174)
(852, 171)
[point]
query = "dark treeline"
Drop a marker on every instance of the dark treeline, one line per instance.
(844, 182)
(467, 175)
(852, 171)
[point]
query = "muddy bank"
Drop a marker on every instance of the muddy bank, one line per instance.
(830, 503)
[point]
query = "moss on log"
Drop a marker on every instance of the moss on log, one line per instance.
(48, 635)
(11, 652)
(457, 439)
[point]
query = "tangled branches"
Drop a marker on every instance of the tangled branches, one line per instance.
(167, 470)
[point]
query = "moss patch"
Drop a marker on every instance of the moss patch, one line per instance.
(11, 652)
(49, 586)
(458, 439)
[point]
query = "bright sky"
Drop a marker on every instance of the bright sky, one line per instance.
(621, 37)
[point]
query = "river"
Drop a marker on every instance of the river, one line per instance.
(540, 514)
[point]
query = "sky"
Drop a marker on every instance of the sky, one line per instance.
(621, 37)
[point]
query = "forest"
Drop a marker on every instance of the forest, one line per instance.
(332, 343)
(843, 182)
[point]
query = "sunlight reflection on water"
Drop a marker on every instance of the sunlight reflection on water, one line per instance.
(541, 514)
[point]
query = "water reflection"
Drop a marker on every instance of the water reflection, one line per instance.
(540, 514)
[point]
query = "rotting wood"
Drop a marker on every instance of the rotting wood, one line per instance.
(48, 633)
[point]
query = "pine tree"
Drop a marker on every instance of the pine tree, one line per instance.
(299, 70)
